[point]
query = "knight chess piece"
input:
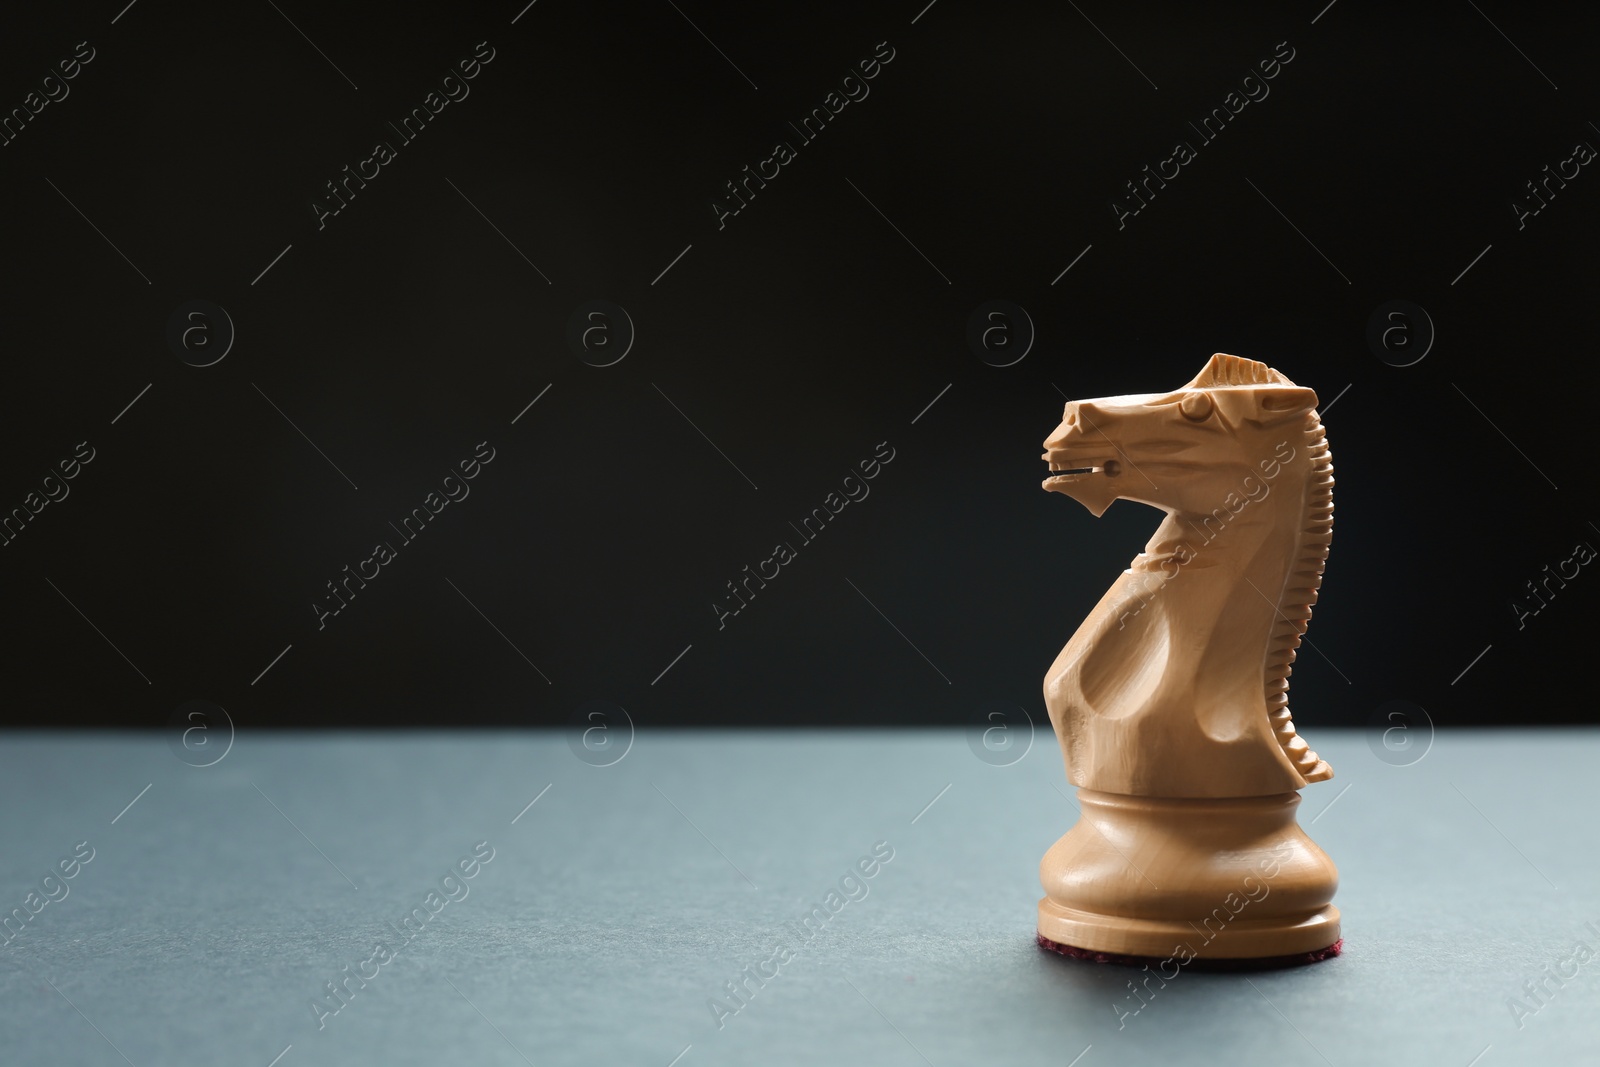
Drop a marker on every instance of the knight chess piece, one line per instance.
(1171, 700)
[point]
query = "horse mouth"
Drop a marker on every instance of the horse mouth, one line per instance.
(1110, 468)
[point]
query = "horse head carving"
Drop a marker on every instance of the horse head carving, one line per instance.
(1176, 685)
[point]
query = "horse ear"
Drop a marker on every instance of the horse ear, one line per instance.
(1280, 403)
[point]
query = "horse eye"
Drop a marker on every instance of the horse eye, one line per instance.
(1196, 406)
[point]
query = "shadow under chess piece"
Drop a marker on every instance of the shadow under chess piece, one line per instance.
(1171, 700)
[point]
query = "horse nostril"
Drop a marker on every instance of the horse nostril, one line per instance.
(1112, 468)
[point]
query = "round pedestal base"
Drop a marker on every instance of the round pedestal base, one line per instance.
(1189, 878)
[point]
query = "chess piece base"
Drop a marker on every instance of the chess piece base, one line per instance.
(1212, 965)
(1190, 878)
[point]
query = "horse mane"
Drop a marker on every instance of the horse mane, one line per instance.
(1300, 585)
(1224, 370)
(1299, 594)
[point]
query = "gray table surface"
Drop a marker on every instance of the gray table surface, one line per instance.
(217, 906)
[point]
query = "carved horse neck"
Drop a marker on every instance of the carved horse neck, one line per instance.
(1255, 561)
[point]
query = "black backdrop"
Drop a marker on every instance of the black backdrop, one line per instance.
(771, 349)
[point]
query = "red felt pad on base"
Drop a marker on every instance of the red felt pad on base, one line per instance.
(1265, 963)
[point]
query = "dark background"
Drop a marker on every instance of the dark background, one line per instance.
(796, 338)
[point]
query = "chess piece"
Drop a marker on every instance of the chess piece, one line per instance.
(1171, 700)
